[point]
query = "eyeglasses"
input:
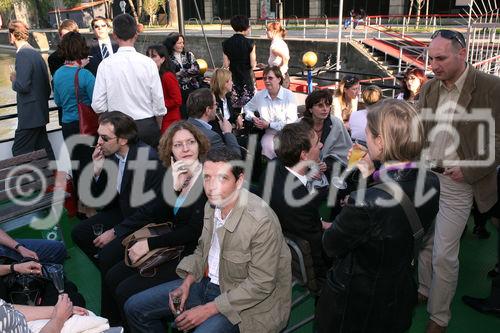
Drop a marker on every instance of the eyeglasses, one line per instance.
(188, 144)
(107, 138)
(100, 26)
(451, 35)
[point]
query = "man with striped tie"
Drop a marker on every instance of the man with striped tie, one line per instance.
(101, 46)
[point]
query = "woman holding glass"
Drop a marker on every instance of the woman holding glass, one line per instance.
(171, 90)
(345, 100)
(182, 149)
(271, 109)
(187, 69)
(371, 287)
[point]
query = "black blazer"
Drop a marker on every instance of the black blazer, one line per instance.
(304, 221)
(122, 202)
(96, 56)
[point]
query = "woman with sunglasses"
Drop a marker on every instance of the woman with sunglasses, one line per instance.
(371, 286)
(171, 90)
(345, 100)
(411, 84)
(271, 109)
(182, 149)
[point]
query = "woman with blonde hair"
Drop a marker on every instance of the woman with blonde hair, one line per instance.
(221, 85)
(345, 100)
(371, 286)
(279, 55)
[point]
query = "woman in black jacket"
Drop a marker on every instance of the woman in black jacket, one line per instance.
(182, 149)
(370, 287)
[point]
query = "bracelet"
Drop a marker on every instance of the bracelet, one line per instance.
(12, 268)
(18, 246)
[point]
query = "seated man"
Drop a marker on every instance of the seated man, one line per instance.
(292, 197)
(46, 251)
(201, 106)
(136, 174)
(239, 275)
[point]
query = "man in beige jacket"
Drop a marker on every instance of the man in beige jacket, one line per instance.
(464, 101)
(239, 277)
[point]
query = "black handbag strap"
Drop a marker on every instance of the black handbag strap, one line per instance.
(410, 211)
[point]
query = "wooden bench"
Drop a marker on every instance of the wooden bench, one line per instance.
(24, 181)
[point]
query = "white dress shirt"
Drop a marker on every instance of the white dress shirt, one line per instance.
(214, 252)
(278, 112)
(128, 81)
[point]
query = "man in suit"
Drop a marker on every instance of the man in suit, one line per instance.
(128, 175)
(458, 91)
(292, 198)
(31, 83)
(201, 105)
(128, 81)
(101, 46)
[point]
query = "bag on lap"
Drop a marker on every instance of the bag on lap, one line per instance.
(148, 263)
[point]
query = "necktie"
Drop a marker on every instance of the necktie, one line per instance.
(105, 52)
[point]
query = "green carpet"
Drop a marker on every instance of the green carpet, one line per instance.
(476, 258)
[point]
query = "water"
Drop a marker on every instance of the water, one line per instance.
(8, 96)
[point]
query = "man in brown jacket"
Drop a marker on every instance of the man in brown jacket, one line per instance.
(464, 101)
(239, 276)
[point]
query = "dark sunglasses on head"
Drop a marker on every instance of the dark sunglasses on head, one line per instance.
(451, 35)
(350, 81)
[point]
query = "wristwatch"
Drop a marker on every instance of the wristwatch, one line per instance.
(18, 246)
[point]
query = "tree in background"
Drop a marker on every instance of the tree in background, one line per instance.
(151, 8)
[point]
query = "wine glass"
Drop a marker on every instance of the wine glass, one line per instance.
(357, 153)
(56, 274)
(97, 229)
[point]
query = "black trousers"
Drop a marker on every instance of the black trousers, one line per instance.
(30, 140)
(149, 131)
(80, 153)
(83, 236)
(121, 282)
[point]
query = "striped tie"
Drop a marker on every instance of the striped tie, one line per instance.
(105, 52)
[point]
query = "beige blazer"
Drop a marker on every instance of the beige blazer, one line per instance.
(255, 266)
(480, 95)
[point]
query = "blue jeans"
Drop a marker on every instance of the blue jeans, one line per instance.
(48, 251)
(146, 311)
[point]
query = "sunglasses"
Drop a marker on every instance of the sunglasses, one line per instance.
(106, 138)
(100, 26)
(451, 35)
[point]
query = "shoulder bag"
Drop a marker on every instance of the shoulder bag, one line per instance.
(148, 263)
(88, 119)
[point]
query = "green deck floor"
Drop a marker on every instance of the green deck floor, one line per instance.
(476, 258)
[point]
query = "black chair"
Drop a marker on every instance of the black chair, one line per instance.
(302, 275)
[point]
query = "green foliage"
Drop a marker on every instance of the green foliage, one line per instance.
(5, 5)
(71, 3)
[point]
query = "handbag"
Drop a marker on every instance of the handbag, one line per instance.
(87, 118)
(147, 264)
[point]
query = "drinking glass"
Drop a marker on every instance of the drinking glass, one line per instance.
(56, 274)
(97, 229)
(357, 153)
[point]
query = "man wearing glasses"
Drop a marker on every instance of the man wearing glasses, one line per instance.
(101, 46)
(127, 175)
(458, 90)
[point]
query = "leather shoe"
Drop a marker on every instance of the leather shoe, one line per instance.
(432, 327)
(482, 305)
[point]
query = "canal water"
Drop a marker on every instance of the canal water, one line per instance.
(8, 96)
